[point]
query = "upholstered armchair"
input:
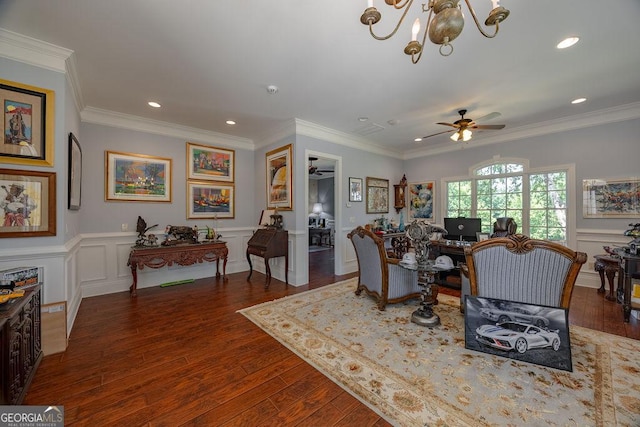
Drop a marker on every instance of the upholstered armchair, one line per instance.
(378, 275)
(504, 226)
(517, 268)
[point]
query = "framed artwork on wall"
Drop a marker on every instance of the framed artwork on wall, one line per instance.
(74, 179)
(137, 177)
(377, 195)
(210, 200)
(355, 189)
(421, 201)
(28, 120)
(279, 169)
(611, 198)
(28, 203)
(210, 163)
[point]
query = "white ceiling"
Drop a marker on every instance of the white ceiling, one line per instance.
(210, 61)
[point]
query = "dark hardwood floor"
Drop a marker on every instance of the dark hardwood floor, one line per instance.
(181, 355)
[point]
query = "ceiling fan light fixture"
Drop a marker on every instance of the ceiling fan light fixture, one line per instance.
(455, 137)
(445, 22)
(466, 135)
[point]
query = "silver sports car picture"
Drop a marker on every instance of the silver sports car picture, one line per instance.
(517, 336)
(514, 315)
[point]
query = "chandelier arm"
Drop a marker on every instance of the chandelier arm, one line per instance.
(398, 6)
(408, 4)
(475, 19)
(415, 59)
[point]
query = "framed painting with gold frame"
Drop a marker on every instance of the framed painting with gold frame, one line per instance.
(28, 202)
(27, 122)
(137, 177)
(377, 195)
(207, 199)
(279, 170)
(210, 163)
(421, 200)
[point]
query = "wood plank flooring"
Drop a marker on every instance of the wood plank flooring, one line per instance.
(182, 356)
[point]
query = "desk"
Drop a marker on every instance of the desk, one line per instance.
(609, 266)
(269, 243)
(319, 234)
(455, 250)
(187, 254)
(629, 266)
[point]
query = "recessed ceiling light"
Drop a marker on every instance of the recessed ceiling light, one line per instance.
(568, 42)
(418, 139)
(578, 101)
(363, 119)
(154, 104)
(230, 122)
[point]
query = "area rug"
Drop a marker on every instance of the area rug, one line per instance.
(417, 376)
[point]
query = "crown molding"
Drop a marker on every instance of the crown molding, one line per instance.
(595, 118)
(127, 121)
(32, 51)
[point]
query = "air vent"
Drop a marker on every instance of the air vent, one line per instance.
(368, 129)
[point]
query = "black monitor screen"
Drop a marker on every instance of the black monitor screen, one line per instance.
(462, 228)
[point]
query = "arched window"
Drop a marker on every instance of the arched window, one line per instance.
(536, 199)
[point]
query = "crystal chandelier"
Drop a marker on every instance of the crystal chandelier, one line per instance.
(444, 23)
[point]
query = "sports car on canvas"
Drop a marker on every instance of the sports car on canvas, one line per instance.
(514, 315)
(517, 336)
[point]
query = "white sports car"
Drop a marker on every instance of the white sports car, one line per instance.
(514, 315)
(517, 336)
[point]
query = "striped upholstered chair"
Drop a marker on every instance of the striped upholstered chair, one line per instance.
(380, 276)
(516, 268)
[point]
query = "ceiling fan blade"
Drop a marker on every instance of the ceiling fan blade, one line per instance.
(439, 133)
(488, 126)
(447, 124)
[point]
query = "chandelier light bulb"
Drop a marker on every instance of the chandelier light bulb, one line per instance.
(369, 3)
(496, 3)
(415, 29)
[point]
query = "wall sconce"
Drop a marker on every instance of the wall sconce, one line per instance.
(398, 190)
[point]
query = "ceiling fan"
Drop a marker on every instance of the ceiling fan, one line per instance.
(462, 127)
(313, 170)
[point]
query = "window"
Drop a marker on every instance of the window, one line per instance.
(536, 200)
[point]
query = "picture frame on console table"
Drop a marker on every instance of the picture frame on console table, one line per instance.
(28, 114)
(28, 203)
(611, 198)
(377, 195)
(210, 163)
(137, 177)
(206, 200)
(524, 332)
(422, 196)
(279, 170)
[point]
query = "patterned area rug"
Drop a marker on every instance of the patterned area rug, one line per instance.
(416, 376)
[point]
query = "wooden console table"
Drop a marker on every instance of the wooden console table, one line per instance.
(187, 254)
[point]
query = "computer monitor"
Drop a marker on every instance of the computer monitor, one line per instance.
(462, 228)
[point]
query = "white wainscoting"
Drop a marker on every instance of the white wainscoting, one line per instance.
(591, 242)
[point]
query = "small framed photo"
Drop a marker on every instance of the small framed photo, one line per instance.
(28, 203)
(137, 177)
(355, 189)
(210, 200)
(74, 179)
(377, 195)
(210, 163)
(524, 332)
(279, 170)
(481, 236)
(421, 201)
(28, 114)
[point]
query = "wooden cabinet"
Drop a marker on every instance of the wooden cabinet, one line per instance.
(269, 243)
(21, 345)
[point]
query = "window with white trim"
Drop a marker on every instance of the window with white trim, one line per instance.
(537, 200)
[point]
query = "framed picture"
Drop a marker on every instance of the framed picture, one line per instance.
(355, 189)
(421, 199)
(210, 200)
(280, 178)
(377, 195)
(74, 180)
(28, 117)
(481, 236)
(524, 332)
(265, 216)
(137, 177)
(28, 203)
(614, 198)
(210, 163)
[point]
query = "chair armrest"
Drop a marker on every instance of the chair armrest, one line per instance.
(464, 269)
